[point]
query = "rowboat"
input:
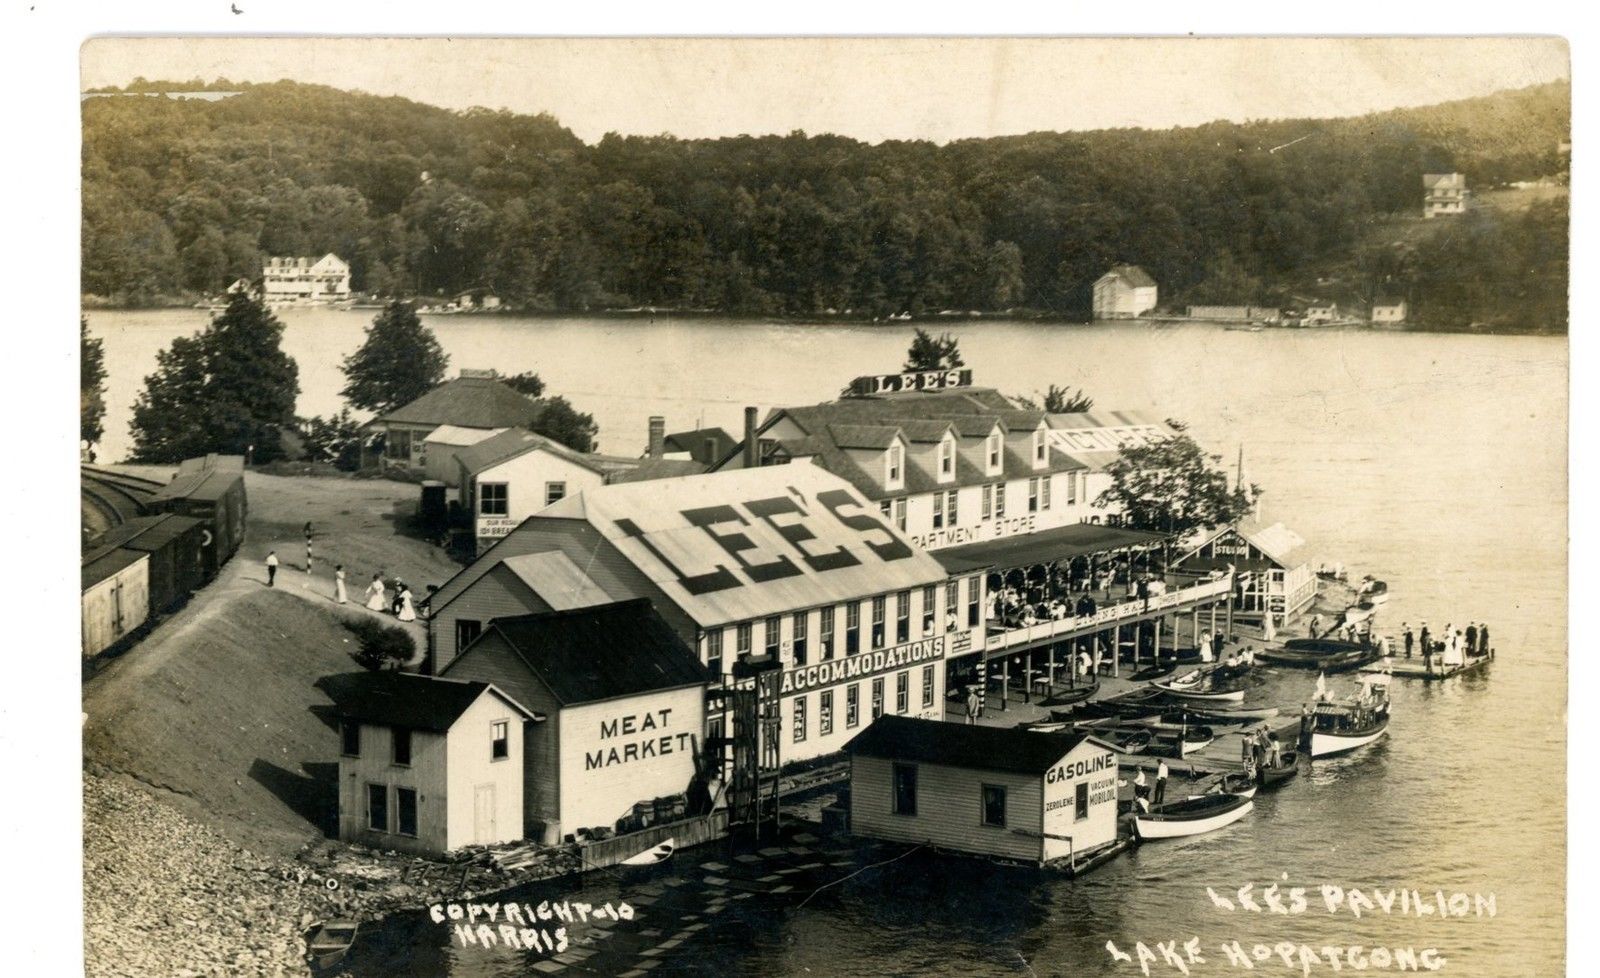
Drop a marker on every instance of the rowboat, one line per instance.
(1322, 654)
(1152, 673)
(1374, 590)
(1192, 816)
(1076, 694)
(1193, 687)
(1288, 766)
(1232, 784)
(330, 942)
(1234, 714)
(659, 854)
(1343, 726)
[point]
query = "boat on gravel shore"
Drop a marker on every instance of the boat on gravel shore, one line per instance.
(329, 943)
(1192, 816)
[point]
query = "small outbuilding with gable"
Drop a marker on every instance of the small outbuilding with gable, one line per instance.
(1012, 794)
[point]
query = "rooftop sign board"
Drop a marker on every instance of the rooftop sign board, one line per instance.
(922, 380)
(731, 546)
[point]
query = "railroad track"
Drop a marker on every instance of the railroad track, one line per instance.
(110, 499)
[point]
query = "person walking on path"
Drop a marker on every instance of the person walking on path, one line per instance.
(1161, 781)
(375, 594)
(1472, 639)
(974, 705)
(272, 567)
(406, 611)
(1407, 637)
(339, 594)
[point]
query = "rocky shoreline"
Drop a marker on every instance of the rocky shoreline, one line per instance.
(165, 895)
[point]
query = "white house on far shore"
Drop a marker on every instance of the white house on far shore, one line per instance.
(1388, 309)
(1125, 292)
(305, 279)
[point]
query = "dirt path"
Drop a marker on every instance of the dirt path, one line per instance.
(223, 707)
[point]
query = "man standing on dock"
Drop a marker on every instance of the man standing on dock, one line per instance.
(1161, 782)
(1472, 639)
(1407, 637)
(1483, 638)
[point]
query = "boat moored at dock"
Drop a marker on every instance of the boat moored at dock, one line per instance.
(1339, 727)
(1192, 816)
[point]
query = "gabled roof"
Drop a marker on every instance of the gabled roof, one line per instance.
(585, 655)
(1277, 542)
(1096, 438)
(515, 442)
(557, 580)
(650, 469)
(1434, 181)
(1388, 300)
(1135, 276)
(403, 699)
(700, 542)
(449, 434)
(204, 484)
(470, 402)
(834, 428)
(694, 442)
(962, 745)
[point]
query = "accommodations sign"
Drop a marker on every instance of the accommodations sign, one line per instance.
(922, 380)
(862, 665)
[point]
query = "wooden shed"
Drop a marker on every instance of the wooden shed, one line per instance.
(116, 596)
(1017, 795)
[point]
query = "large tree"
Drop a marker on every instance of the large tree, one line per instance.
(91, 385)
(229, 388)
(1172, 486)
(929, 352)
(559, 420)
(399, 361)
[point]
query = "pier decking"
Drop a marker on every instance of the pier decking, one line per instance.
(1402, 668)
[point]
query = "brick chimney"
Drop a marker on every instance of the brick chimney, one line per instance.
(657, 446)
(752, 451)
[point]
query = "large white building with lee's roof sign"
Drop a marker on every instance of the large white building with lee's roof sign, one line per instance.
(789, 562)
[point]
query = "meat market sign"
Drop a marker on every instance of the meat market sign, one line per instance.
(862, 665)
(922, 380)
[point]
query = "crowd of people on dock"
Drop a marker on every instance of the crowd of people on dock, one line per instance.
(1067, 589)
(1456, 647)
(402, 604)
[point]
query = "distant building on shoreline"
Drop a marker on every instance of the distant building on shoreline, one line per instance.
(305, 279)
(1443, 194)
(1125, 292)
(1388, 309)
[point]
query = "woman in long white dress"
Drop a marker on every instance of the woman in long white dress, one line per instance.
(339, 593)
(376, 599)
(407, 612)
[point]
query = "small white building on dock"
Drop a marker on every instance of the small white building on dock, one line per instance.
(1012, 794)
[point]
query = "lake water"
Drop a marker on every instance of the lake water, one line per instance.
(1435, 462)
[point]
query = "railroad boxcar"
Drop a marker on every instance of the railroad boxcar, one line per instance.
(210, 489)
(116, 596)
(176, 545)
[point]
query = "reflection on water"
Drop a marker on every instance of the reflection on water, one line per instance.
(1436, 463)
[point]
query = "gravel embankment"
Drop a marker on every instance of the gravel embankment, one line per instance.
(165, 896)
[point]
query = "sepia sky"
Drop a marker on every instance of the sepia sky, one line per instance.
(870, 89)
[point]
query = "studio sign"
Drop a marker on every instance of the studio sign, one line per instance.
(789, 520)
(863, 664)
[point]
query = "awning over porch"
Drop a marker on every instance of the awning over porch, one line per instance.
(1044, 547)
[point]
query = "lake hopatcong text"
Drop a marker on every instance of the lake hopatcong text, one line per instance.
(1187, 955)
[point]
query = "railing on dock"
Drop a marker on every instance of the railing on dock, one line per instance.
(1107, 616)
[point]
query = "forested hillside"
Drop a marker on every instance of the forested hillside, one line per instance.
(183, 196)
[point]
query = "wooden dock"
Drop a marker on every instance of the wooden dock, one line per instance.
(1402, 668)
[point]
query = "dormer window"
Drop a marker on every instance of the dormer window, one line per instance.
(1041, 449)
(947, 459)
(992, 452)
(894, 469)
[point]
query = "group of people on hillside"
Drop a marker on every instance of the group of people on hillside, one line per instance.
(402, 605)
(1457, 645)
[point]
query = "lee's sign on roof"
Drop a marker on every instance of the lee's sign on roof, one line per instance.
(925, 380)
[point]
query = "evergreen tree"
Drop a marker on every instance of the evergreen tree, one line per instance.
(229, 388)
(559, 420)
(526, 383)
(91, 385)
(399, 361)
(1066, 400)
(929, 352)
